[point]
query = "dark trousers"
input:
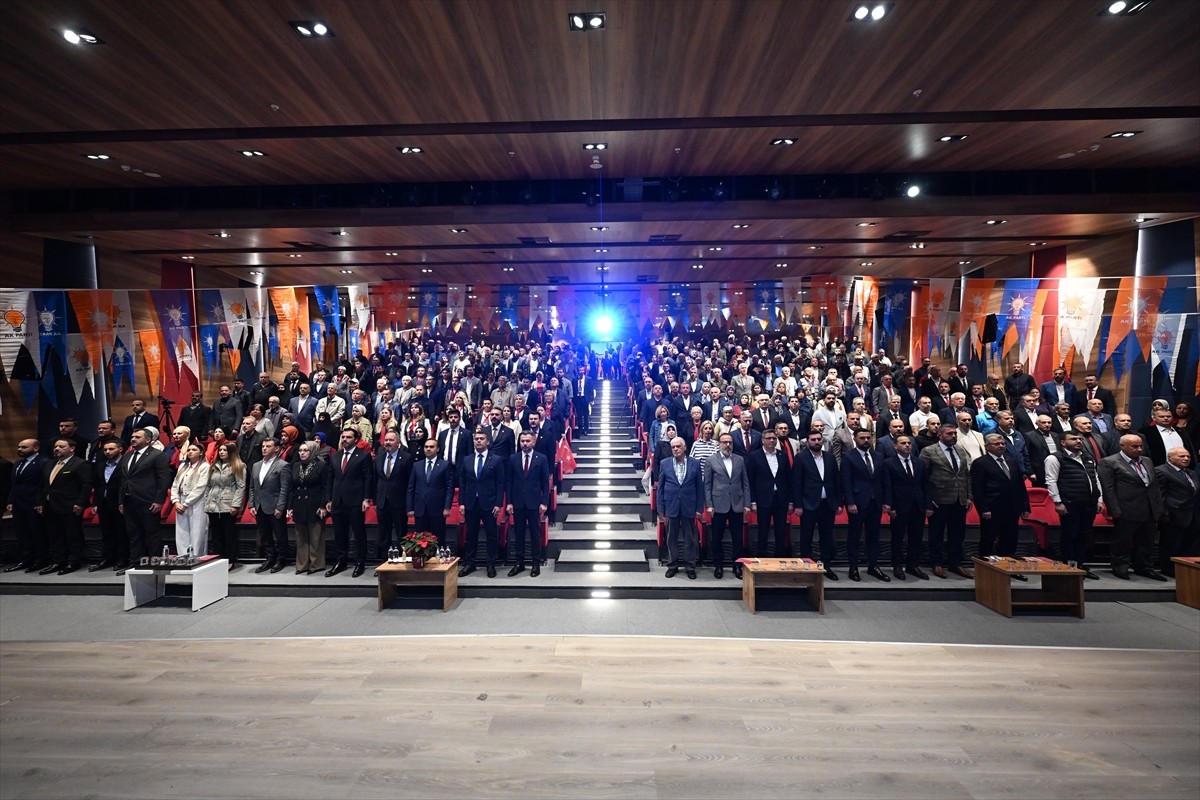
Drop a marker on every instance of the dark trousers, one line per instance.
(435, 523)
(114, 540)
(820, 518)
(1174, 540)
(866, 521)
(1132, 544)
(65, 532)
(947, 529)
(345, 520)
(525, 521)
(907, 529)
(392, 517)
(222, 534)
(1074, 528)
(683, 542)
(730, 521)
(145, 530)
(31, 535)
(272, 532)
(583, 414)
(998, 535)
(774, 518)
(475, 517)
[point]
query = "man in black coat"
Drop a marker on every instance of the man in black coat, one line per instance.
(106, 497)
(145, 479)
(904, 503)
(22, 502)
(196, 417)
(349, 501)
(545, 439)
(818, 493)
(999, 493)
(454, 443)
(585, 395)
(228, 411)
(393, 467)
(771, 487)
(1091, 389)
(503, 441)
(1180, 525)
(431, 492)
(480, 498)
(1041, 443)
(528, 491)
(862, 490)
(140, 418)
(66, 492)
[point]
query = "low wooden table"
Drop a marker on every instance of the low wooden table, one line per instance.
(1187, 580)
(1062, 586)
(434, 573)
(770, 573)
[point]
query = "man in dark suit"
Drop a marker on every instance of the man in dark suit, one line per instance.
(480, 498)
(545, 439)
(762, 418)
(818, 490)
(269, 481)
(1091, 389)
(527, 483)
(22, 502)
(303, 408)
(1133, 501)
(145, 479)
(727, 498)
(862, 491)
(1013, 441)
(1096, 445)
(585, 395)
(904, 503)
(249, 442)
(1059, 390)
(106, 497)
(503, 442)
(910, 394)
(948, 496)
(393, 466)
(349, 501)
(771, 485)
(196, 417)
(1041, 443)
(431, 492)
(796, 419)
(1178, 529)
(680, 503)
(859, 388)
(454, 443)
(745, 439)
(66, 492)
(1162, 436)
(227, 411)
(886, 445)
(998, 490)
(140, 418)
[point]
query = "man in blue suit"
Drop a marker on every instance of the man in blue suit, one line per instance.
(904, 503)
(431, 491)
(862, 490)
(22, 503)
(352, 476)
(1059, 390)
(480, 498)
(681, 502)
(528, 484)
(818, 489)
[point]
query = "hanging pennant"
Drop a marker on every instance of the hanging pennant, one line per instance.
(92, 313)
(18, 327)
(1164, 348)
(236, 316)
(331, 307)
(1016, 309)
(210, 346)
(303, 345)
(286, 330)
(79, 365)
(152, 353)
(121, 365)
(52, 328)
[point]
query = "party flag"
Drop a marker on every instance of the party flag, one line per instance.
(331, 307)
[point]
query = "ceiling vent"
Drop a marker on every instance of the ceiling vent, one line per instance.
(907, 235)
(556, 280)
(660, 238)
(532, 240)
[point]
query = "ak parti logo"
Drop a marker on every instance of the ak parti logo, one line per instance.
(15, 319)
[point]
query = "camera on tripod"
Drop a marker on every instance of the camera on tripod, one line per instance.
(165, 402)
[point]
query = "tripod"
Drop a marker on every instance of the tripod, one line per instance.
(166, 420)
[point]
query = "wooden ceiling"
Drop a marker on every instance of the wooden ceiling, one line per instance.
(500, 90)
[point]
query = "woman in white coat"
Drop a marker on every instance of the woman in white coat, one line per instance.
(187, 493)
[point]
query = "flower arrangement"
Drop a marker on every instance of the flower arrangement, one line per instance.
(420, 544)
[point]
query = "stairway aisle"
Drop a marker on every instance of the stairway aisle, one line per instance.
(605, 524)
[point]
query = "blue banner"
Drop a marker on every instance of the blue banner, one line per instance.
(331, 307)
(121, 365)
(52, 328)
(273, 338)
(677, 306)
(1016, 309)
(764, 302)
(427, 296)
(316, 344)
(209, 345)
(174, 309)
(897, 304)
(509, 303)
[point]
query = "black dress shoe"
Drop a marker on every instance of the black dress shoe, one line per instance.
(718, 572)
(1091, 576)
(359, 569)
(854, 576)
(67, 569)
(517, 570)
(829, 573)
(672, 572)
(1123, 574)
(266, 565)
(340, 566)
(878, 574)
(1152, 574)
(49, 569)
(737, 571)
(278, 567)
(120, 567)
(1016, 576)
(917, 573)
(20, 565)
(100, 566)
(899, 573)
(691, 573)
(468, 569)
(535, 570)
(491, 573)
(33, 567)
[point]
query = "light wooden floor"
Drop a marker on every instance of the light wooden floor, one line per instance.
(548, 717)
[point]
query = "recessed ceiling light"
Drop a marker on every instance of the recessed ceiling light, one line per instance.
(409, 150)
(426, 270)
(997, 221)
(917, 246)
(912, 191)
(96, 156)
(815, 247)
(252, 153)
(601, 249)
(599, 227)
(80, 36)
(866, 263)
(347, 272)
(311, 29)
(866, 224)
(964, 262)
(221, 235)
(1122, 135)
(295, 255)
(1122, 8)
(697, 266)
(255, 272)
(1037, 244)
(1145, 219)
(714, 249)
(952, 137)
(602, 269)
(507, 269)
(391, 254)
(872, 12)
(188, 258)
(595, 145)
(781, 264)
(737, 226)
(586, 21)
(341, 232)
(787, 140)
(458, 230)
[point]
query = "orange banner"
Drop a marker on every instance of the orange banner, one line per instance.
(283, 298)
(739, 302)
(304, 345)
(1136, 309)
(867, 300)
(976, 305)
(481, 306)
(152, 355)
(918, 344)
(93, 310)
(390, 302)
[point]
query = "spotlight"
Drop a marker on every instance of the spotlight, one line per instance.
(595, 146)
(311, 29)
(409, 150)
(80, 37)
(603, 325)
(912, 191)
(586, 21)
(1120, 8)
(872, 13)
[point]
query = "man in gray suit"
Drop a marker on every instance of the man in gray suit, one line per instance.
(727, 497)
(1133, 501)
(948, 496)
(270, 480)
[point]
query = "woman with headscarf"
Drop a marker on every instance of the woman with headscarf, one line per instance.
(288, 441)
(311, 488)
(217, 439)
(327, 427)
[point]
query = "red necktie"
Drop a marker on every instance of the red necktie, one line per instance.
(1095, 448)
(746, 436)
(345, 459)
(1091, 394)
(527, 463)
